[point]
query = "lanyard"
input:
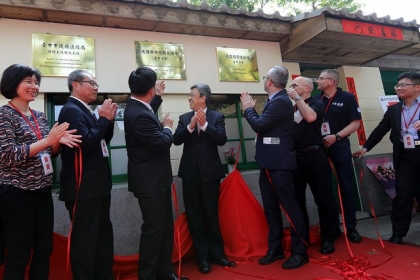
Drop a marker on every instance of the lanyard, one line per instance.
(329, 103)
(412, 117)
(37, 130)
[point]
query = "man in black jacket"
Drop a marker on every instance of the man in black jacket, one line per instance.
(403, 121)
(88, 204)
(201, 131)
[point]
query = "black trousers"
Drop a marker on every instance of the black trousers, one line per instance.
(27, 219)
(279, 188)
(157, 234)
(407, 186)
(92, 239)
(201, 200)
(314, 169)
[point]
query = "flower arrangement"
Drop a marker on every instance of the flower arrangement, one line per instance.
(230, 156)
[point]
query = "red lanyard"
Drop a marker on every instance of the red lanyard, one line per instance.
(412, 117)
(329, 103)
(37, 130)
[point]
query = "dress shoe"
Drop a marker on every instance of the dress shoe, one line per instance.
(327, 247)
(396, 239)
(173, 276)
(295, 261)
(353, 235)
(224, 262)
(204, 266)
(271, 257)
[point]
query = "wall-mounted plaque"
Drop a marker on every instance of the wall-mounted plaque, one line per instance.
(56, 55)
(166, 59)
(237, 65)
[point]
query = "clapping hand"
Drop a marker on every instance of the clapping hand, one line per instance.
(247, 101)
(70, 139)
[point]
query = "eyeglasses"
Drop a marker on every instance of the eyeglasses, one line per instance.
(402, 85)
(264, 77)
(322, 78)
(295, 85)
(91, 82)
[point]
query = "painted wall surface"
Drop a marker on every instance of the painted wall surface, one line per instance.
(115, 55)
(368, 86)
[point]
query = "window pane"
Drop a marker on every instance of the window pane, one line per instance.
(250, 150)
(225, 104)
(119, 161)
(232, 128)
(119, 136)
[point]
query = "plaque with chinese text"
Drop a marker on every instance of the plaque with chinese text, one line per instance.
(167, 60)
(55, 55)
(237, 65)
(372, 30)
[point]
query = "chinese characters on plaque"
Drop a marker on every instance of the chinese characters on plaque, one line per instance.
(167, 60)
(56, 55)
(237, 65)
(372, 30)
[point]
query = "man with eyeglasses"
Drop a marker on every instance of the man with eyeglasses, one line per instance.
(342, 117)
(277, 161)
(202, 131)
(89, 202)
(312, 163)
(403, 121)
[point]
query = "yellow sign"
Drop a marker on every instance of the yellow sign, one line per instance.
(237, 65)
(167, 60)
(56, 55)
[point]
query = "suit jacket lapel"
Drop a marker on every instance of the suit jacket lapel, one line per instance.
(83, 107)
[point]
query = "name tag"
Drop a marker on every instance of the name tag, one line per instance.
(46, 163)
(325, 129)
(104, 148)
(409, 142)
(271, 140)
(298, 117)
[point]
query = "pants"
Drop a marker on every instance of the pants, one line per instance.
(340, 155)
(27, 218)
(314, 169)
(406, 187)
(201, 201)
(157, 234)
(92, 239)
(278, 187)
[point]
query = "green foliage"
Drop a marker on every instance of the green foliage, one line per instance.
(290, 7)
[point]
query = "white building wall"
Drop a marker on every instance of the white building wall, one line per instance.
(369, 86)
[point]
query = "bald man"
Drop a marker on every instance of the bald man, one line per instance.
(313, 167)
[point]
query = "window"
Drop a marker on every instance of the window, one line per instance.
(239, 132)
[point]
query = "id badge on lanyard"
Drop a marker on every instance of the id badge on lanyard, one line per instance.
(409, 142)
(46, 163)
(325, 128)
(104, 149)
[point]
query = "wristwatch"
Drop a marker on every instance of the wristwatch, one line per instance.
(338, 137)
(298, 98)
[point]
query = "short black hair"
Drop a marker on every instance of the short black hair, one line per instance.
(142, 80)
(13, 76)
(414, 76)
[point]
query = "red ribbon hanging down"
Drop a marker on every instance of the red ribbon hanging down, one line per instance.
(78, 167)
(177, 233)
(356, 267)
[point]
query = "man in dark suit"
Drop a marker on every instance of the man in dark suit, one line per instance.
(403, 121)
(201, 131)
(276, 158)
(150, 173)
(88, 201)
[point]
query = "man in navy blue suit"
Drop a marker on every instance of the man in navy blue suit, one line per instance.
(201, 131)
(276, 158)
